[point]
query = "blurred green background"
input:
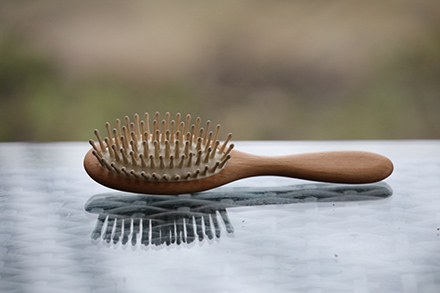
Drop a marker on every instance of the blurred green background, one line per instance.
(297, 70)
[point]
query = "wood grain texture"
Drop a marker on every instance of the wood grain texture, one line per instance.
(352, 167)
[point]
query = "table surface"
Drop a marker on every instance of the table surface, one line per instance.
(62, 232)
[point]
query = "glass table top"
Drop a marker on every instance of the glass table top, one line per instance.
(62, 232)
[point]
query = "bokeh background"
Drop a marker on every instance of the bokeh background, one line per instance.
(297, 70)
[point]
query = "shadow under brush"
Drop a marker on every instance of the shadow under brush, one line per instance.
(170, 219)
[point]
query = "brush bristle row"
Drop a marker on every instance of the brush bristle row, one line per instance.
(171, 150)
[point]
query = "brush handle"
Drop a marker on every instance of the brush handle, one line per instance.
(354, 167)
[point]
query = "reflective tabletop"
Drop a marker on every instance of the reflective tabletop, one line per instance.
(62, 232)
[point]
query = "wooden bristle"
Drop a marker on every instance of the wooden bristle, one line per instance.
(208, 124)
(198, 120)
(182, 161)
(133, 159)
(171, 165)
(125, 172)
(124, 142)
(199, 143)
(145, 175)
(224, 161)
(207, 142)
(143, 163)
(109, 147)
(199, 158)
(217, 131)
(178, 116)
(222, 149)
(228, 151)
(147, 122)
(92, 143)
(162, 137)
(116, 154)
(152, 164)
(124, 156)
(137, 126)
(186, 150)
(109, 132)
(217, 164)
(106, 164)
(135, 174)
(177, 149)
(161, 162)
(101, 144)
(118, 127)
(154, 130)
(188, 121)
(167, 149)
(204, 171)
(172, 131)
(214, 149)
(117, 138)
(127, 121)
(207, 155)
(146, 147)
(98, 157)
(167, 120)
(117, 170)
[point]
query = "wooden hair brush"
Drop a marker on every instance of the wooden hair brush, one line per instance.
(175, 157)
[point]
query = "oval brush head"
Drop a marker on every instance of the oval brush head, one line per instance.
(165, 151)
(172, 156)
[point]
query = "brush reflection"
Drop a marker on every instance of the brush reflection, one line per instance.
(160, 219)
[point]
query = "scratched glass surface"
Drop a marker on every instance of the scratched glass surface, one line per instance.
(62, 232)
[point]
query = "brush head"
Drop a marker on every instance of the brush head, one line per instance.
(165, 151)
